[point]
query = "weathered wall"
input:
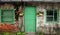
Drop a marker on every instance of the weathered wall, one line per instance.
(42, 25)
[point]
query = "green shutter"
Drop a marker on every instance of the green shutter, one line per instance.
(7, 15)
(30, 19)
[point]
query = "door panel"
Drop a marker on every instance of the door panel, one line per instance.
(30, 19)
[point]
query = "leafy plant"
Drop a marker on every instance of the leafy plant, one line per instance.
(18, 33)
(6, 33)
(23, 33)
(1, 33)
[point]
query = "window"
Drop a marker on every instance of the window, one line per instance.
(51, 15)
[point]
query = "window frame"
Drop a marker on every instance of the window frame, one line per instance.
(53, 20)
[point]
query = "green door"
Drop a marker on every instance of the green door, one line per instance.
(30, 19)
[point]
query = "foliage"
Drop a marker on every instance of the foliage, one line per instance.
(10, 33)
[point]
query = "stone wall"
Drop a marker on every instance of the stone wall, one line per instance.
(42, 25)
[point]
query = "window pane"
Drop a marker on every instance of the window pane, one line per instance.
(49, 18)
(55, 15)
(49, 15)
(49, 12)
